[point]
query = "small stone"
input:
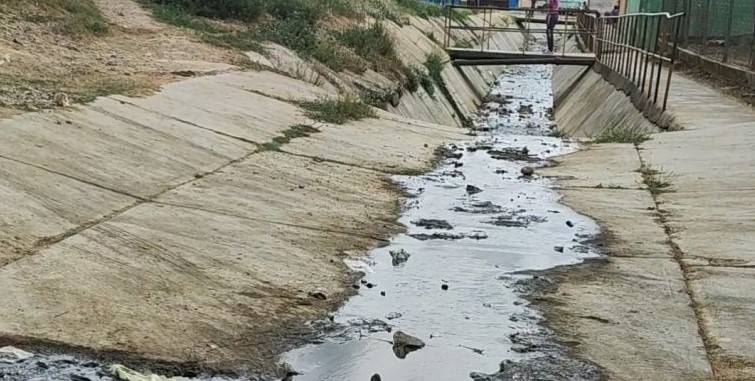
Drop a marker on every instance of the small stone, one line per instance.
(369, 285)
(399, 256)
(528, 171)
(393, 315)
(318, 295)
(444, 287)
(569, 224)
(560, 249)
(404, 343)
(471, 189)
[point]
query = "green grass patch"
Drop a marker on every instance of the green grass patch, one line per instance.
(656, 181)
(337, 111)
(427, 10)
(416, 77)
(434, 65)
(295, 131)
(374, 44)
(622, 135)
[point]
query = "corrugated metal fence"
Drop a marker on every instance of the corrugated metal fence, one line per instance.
(723, 30)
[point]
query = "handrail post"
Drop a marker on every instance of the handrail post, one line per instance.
(673, 61)
(727, 38)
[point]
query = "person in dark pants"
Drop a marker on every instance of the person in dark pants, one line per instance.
(551, 19)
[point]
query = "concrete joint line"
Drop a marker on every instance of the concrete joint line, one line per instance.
(273, 222)
(678, 256)
(46, 242)
(189, 123)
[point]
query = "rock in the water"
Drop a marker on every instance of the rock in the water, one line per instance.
(471, 189)
(13, 354)
(399, 256)
(444, 287)
(375, 377)
(433, 224)
(569, 224)
(404, 343)
(547, 367)
(528, 171)
(560, 249)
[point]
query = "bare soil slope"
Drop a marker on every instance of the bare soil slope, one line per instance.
(87, 48)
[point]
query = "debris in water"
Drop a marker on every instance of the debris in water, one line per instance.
(478, 234)
(399, 256)
(528, 171)
(446, 236)
(475, 350)
(12, 354)
(122, 373)
(512, 154)
(433, 224)
(471, 189)
(393, 315)
(404, 343)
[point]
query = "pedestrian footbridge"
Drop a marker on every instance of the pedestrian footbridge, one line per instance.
(641, 48)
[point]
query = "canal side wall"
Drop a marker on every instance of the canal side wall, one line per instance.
(198, 225)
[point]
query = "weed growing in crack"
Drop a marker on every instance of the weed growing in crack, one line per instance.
(657, 182)
(337, 111)
(295, 131)
(623, 135)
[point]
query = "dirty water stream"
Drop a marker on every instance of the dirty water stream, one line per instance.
(475, 227)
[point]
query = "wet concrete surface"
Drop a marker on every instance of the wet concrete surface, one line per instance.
(476, 229)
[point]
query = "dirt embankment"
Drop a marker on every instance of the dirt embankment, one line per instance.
(91, 48)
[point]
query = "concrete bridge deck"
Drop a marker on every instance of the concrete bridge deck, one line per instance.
(477, 57)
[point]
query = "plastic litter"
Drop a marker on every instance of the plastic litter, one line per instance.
(126, 374)
(12, 354)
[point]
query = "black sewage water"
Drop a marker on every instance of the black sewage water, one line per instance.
(473, 226)
(446, 289)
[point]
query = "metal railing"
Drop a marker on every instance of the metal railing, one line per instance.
(528, 24)
(640, 47)
(722, 30)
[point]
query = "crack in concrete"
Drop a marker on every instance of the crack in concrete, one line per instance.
(46, 242)
(245, 140)
(678, 256)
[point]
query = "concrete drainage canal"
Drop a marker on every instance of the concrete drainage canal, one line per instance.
(443, 301)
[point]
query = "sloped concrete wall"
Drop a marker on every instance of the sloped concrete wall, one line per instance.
(587, 104)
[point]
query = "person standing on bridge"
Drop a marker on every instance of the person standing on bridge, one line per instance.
(551, 19)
